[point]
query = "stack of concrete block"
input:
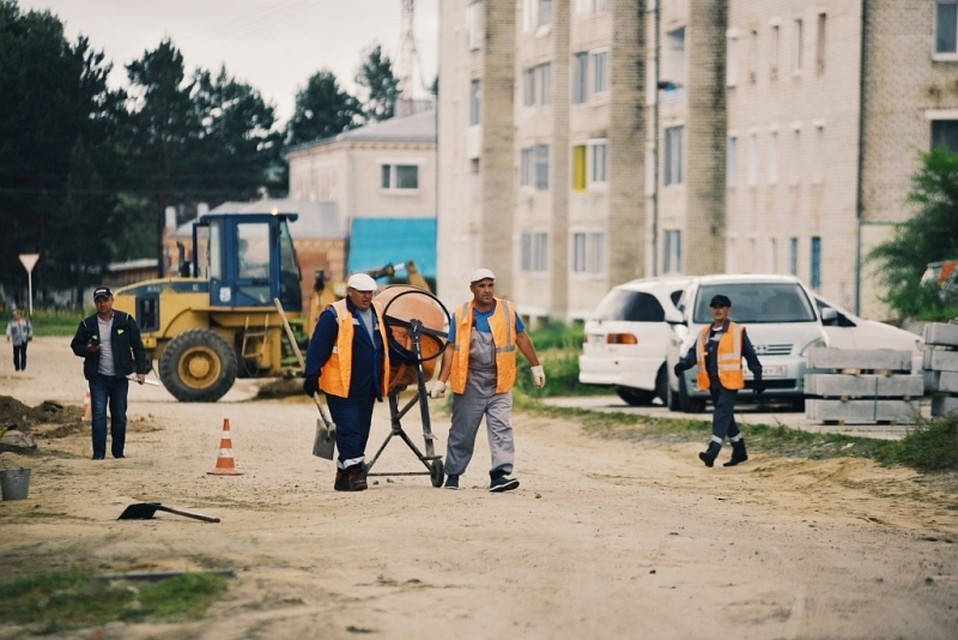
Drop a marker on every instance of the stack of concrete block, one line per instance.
(862, 385)
(941, 367)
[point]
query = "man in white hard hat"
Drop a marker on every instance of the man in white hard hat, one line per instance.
(348, 360)
(480, 366)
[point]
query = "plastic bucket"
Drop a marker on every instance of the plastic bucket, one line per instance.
(15, 484)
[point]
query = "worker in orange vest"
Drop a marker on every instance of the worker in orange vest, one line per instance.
(480, 366)
(717, 355)
(348, 360)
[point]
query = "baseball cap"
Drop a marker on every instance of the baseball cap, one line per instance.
(102, 292)
(720, 301)
(361, 282)
(481, 274)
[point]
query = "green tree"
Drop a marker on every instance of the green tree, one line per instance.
(930, 235)
(380, 84)
(57, 119)
(322, 110)
(198, 139)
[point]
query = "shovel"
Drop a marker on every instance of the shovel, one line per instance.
(146, 510)
(324, 445)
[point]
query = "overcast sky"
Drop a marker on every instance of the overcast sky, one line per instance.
(272, 45)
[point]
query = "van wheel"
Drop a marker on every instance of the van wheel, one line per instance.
(198, 366)
(687, 404)
(635, 397)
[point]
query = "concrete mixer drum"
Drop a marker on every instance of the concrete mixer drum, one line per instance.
(417, 325)
(413, 315)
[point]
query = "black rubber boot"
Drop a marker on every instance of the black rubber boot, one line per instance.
(739, 454)
(708, 456)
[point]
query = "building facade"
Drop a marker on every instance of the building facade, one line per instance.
(586, 142)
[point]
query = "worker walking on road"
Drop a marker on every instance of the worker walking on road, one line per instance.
(20, 332)
(480, 366)
(109, 343)
(348, 360)
(717, 356)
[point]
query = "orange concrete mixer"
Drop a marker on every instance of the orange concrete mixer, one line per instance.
(417, 326)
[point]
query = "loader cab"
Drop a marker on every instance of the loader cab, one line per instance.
(248, 259)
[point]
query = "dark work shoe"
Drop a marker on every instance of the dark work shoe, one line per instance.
(706, 458)
(341, 483)
(503, 483)
(736, 459)
(452, 482)
(97, 458)
(356, 478)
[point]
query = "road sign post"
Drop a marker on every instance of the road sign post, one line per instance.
(29, 260)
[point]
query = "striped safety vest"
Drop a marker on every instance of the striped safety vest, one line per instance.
(337, 373)
(503, 325)
(729, 355)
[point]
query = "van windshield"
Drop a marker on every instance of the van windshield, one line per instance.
(757, 302)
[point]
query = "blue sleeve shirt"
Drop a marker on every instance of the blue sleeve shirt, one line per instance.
(480, 320)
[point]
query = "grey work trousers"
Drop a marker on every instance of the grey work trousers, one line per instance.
(467, 411)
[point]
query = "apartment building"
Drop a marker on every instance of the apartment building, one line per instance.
(639, 137)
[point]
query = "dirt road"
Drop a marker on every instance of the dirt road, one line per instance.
(603, 539)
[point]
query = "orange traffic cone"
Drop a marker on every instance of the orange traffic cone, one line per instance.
(87, 408)
(225, 464)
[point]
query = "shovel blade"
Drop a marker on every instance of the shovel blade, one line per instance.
(325, 443)
(139, 511)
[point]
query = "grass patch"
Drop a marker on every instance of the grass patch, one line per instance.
(51, 322)
(78, 598)
(932, 445)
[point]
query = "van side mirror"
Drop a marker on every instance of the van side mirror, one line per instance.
(829, 316)
(674, 317)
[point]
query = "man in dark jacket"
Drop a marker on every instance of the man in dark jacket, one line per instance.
(109, 343)
(348, 360)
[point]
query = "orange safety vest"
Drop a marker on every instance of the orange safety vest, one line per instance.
(337, 373)
(729, 355)
(503, 325)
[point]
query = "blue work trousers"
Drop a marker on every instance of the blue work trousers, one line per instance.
(352, 417)
(723, 417)
(109, 391)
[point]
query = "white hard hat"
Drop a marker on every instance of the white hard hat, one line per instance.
(481, 274)
(361, 282)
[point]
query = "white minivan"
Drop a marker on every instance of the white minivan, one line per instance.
(781, 320)
(626, 338)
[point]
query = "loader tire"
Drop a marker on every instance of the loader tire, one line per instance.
(198, 366)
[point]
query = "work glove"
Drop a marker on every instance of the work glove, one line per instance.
(538, 376)
(310, 385)
(677, 369)
(759, 386)
(438, 390)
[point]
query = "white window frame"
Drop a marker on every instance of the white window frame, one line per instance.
(774, 49)
(475, 102)
(798, 45)
(673, 165)
(731, 57)
(389, 173)
(771, 162)
(599, 62)
(544, 76)
(529, 86)
(580, 77)
(534, 251)
(795, 158)
(587, 254)
(672, 251)
(751, 159)
(818, 163)
(597, 162)
(731, 161)
(541, 163)
(945, 54)
(752, 60)
(527, 168)
(474, 25)
(821, 42)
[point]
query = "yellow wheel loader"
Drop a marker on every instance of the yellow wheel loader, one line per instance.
(217, 319)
